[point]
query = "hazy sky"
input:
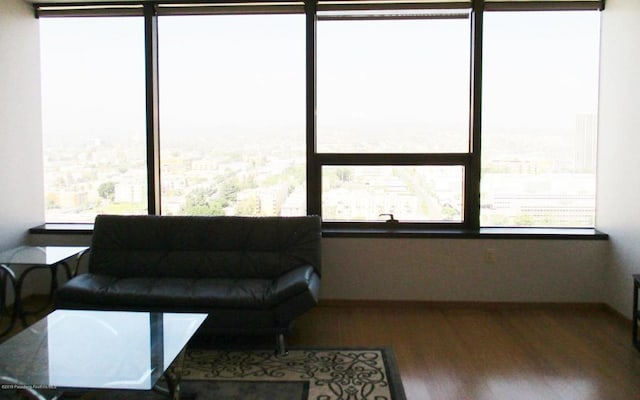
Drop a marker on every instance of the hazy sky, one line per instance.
(240, 75)
(562, 47)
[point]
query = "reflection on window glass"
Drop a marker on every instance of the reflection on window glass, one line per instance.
(540, 82)
(410, 193)
(393, 85)
(93, 110)
(232, 101)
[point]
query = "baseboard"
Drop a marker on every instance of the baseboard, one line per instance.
(489, 305)
(617, 314)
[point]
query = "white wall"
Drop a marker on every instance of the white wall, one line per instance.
(21, 177)
(456, 270)
(619, 147)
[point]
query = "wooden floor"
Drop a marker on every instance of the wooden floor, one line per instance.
(514, 353)
(488, 352)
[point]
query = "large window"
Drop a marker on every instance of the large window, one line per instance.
(540, 88)
(456, 114)
(93, 106)
(392, 82)
(232, 128)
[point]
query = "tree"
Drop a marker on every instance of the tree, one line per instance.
(230, 189)
(201, 202)
(107, 190)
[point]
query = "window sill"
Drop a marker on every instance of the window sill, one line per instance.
(483, 233)
(62, 229)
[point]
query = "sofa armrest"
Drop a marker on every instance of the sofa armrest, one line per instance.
(291, 283)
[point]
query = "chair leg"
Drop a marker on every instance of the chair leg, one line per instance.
(280, 347)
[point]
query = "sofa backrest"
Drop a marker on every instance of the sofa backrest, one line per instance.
(193, 247)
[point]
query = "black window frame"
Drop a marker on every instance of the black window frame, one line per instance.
(470, 161)
(471, 193)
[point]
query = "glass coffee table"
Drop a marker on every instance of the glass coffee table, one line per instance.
(84, 350)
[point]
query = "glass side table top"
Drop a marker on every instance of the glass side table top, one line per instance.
(33, 255)
(97, 349)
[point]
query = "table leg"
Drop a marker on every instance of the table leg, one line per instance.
(634, 327)
(8, 276)
(67, 270)
(22, 313)
(3, 292)
(79, 258)
(173, 378)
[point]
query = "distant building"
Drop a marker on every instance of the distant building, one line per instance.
(128, 192)
(69, 199)
(272, 198)
(539, 200)
(295, 204)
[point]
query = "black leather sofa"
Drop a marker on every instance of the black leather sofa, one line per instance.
(251, 274)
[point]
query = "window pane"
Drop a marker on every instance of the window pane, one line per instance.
(232, 101)
(393, 85)
(93, 110)
(540, 87)
(410, 193)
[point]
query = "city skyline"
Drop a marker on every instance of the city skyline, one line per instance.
(194, 171)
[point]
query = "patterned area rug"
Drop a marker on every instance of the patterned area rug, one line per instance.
(302, 374)
(327, 374)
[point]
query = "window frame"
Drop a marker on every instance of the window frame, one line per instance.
(316, 160)
(470, 161)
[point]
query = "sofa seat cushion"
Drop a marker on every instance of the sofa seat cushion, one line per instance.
(169, 293)
(183, 293)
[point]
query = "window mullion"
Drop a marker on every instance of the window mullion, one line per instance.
(472, 173)
(152, 109)
(314, 182)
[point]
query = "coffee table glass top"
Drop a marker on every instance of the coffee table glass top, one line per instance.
(32, 255)
(97, 349)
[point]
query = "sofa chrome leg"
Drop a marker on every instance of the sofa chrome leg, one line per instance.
(280, 348)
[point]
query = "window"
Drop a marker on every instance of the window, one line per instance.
(410, 193)
(457, 114)
(540, 88)
(392, 83)
(232, 127)
(93, 117)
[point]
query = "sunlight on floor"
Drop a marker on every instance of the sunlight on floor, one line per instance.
(531, 388)
(451, 387)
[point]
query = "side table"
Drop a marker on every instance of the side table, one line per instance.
(634, 329)
(17, 263)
